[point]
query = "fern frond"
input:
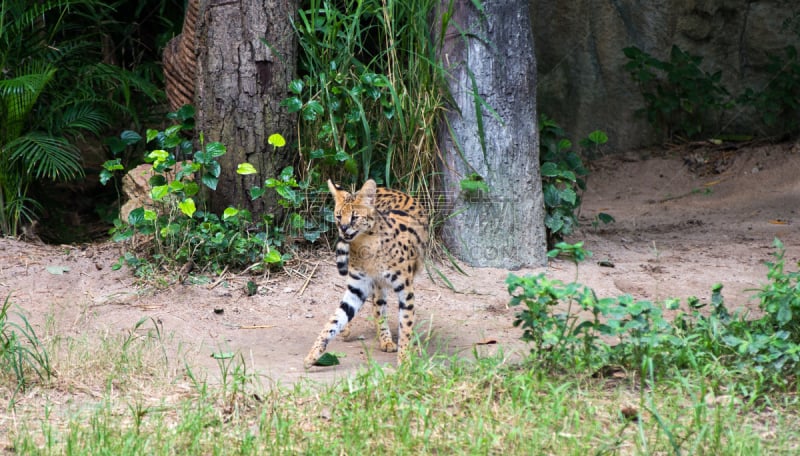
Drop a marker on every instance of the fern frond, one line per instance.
(45, 156)
(18, 96)
(83, 117)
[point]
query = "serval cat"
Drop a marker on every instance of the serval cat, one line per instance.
(382, 234)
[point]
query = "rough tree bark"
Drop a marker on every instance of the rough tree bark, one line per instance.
(240, 84)
(504, 227)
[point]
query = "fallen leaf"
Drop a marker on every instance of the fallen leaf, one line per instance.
(327, 359)
(487, 342)
(779, 222)
(57, 270)
(222, 355)
(629, 413)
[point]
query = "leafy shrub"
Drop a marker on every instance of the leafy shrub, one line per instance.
(563, 177)
(176, 219)
(680, 98)
(568, 325)
(779, 102)
(780, 298)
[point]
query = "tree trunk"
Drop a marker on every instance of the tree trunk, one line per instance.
(240, 84)
(493, 59)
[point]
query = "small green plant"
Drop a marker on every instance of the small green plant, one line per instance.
(563, 177)
(557, 336)
(780, 298)
(593, 143)
(680, 98)
(602, 218)
(473, 185)
(21, 351)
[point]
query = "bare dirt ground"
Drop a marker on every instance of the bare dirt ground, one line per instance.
(681, 226)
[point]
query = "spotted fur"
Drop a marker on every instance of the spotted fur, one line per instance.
(382, 234)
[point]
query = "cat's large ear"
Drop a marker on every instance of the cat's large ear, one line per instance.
(366, 195)
(339, 195)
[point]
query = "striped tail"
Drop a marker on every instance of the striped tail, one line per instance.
(342, 256)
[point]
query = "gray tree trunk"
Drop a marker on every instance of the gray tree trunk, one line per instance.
(504, 227)
(240, 84)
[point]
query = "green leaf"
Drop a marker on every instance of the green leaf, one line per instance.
(470, 185)
(246, 168)
(105, 176)
(176, 186)
(191, 188)
(287, 174)
(158, 192)
(286, 192)
(215, 149)
(292, 104)
(568, 195)
(549, 169)
(113, 165)
(151, 134)
(158, 156)
(187, 207)
(229, 212)
(312, 110)
(277, 140)
(130, 137)
(136, 216)
(256, 192)
(273, 257)
(598, 137)
(172, 130)
(327, 359)
(296, 86)
(223, 355)
(210, 181)
(605, 218)
(185, 112)
(149, 215)
(297, 221)
(213, 168)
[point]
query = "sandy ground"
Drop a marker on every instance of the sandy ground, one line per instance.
(684, 221)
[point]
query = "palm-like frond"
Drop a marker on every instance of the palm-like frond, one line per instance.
(18, 96)
(81, 117)
(45, 156)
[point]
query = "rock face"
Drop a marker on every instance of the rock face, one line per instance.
(582, 83)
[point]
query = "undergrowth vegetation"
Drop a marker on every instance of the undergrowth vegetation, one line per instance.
(370, 94)
(605, 375)
(570, 328)
(441, 405)
(61, 82)
(23, 358)
(684, 101)
(174, 218)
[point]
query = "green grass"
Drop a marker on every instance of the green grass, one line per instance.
(138, 403)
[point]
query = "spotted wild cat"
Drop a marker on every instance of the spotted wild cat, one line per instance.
(382, 234)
